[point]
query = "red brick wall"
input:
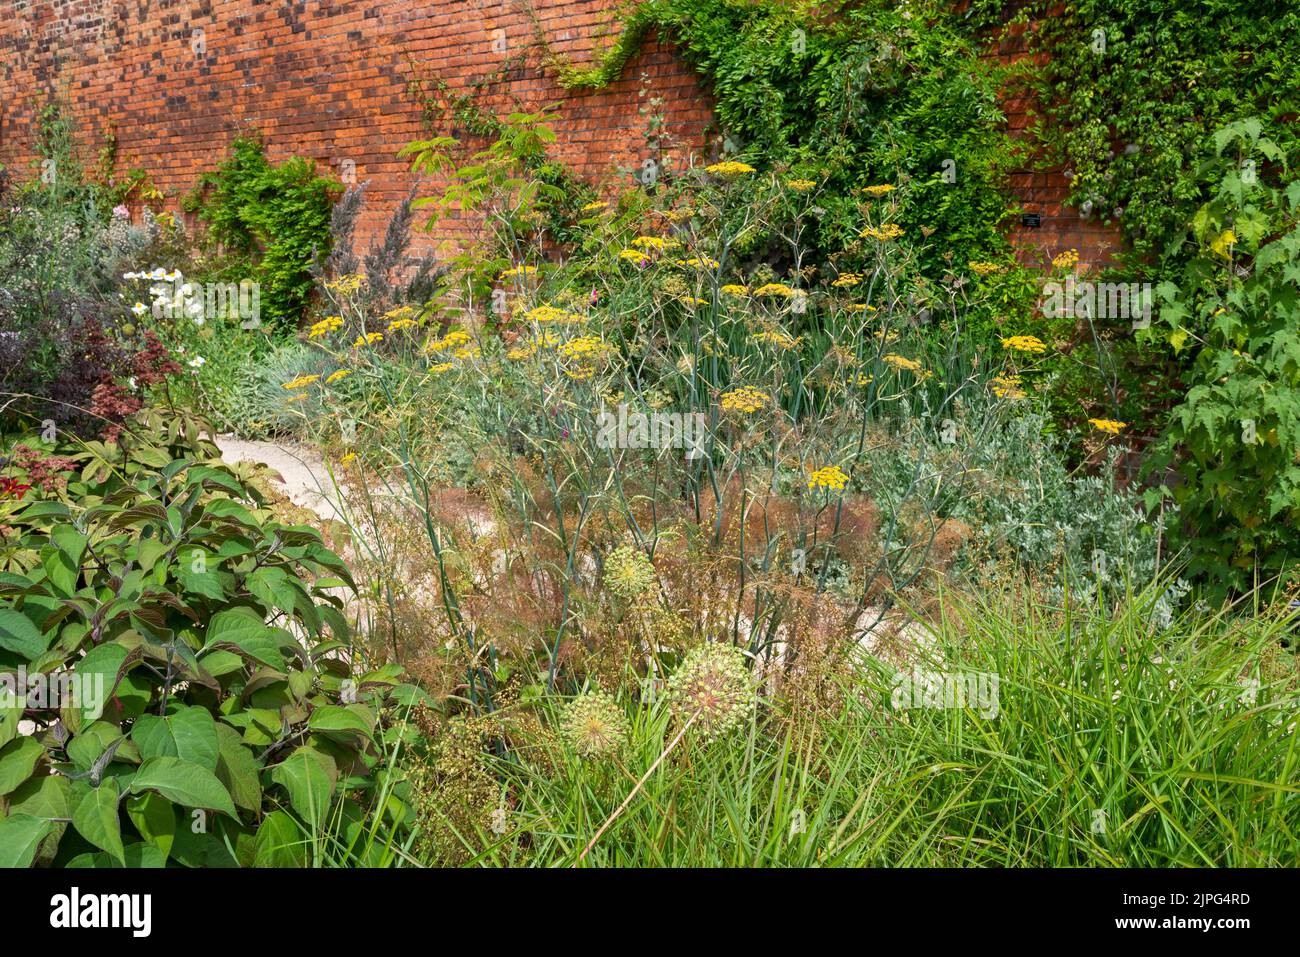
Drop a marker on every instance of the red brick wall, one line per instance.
(1044, 192)
(326, 80)
(329, 80)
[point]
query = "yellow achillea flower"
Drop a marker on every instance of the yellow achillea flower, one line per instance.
(702, 262)
(775, 289)
(746, 399)
(801, 185)
(1024, 344)
(860, 307)
(440, 367)
(884, 233)
(780, 340)
(677, 215)
(348, 459)
(900, 362)
(583, 347)
(731, 289)
(598, 204)
(1107, 425)
(831, 477)
(1066, 259)
(453, 340)
(552, 314)
(692, 301)
(847, 279)
(880, 190)
(399, 324)
(337, 375)
(301, 382)
(346, 285)
(324, 327)
(634, 255)
(660, 243)
(983, 268)
(370, 338)
(1007, 387)
(518, 271)
(729, 169)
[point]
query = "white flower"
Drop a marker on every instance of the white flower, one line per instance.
(158, 273)
(131, 383)
(196, 362)
(175, 276)
(139, 309)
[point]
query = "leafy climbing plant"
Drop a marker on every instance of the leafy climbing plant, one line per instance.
(1235, 439)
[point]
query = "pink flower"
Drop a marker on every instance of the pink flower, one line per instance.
(121, 211)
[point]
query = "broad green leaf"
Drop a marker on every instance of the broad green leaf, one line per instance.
(184, 782)
(95, 818)
(308, 776)
(17, 762)
(243, 630)
(188, 733)
(20, 836)
(155, 818)
(280, 842)
(18, 634)
(237, 769)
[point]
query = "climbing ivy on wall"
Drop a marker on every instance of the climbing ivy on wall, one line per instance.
(276, 216)
(1131, 92)
(849, 94)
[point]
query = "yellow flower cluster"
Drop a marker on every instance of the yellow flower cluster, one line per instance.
(346, 285)
(731, 289)
(301, 382)
(847, 279)
(324, 327)
(729, 169)
(884, 233)
(860, 307)
(591, 207)
(398, 324)
(831, 476)
(552, 314)
(454, 340)
(518, 271)
(983, 268)
(775, 289)
(801, 185)
(438, 368)
(703, 262)
(337, 375)
(880, 190)
(901, 362)
(678, 215)
(1223, 245)
(634, 255)
(1007, 387)
(661, 243)
(1107, 425)
(1024, 344)
(1066, 259)
(780, 340)
(369, 339)
(746, 399)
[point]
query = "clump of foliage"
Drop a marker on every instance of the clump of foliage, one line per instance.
(201, 701)
(275, 217)
(1235, 438)
(848, 96)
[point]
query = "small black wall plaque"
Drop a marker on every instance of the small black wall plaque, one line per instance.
(1031, 220)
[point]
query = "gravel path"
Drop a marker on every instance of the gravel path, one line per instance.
(303, 476)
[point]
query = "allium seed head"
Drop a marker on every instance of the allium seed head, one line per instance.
(628, 573)
(593, 725)
(713, 685)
